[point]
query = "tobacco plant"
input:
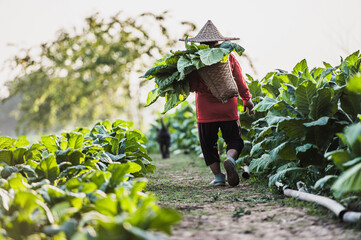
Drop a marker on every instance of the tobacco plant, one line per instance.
(84, 184)
(299, 115)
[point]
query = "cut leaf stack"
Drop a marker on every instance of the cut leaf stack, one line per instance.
(170, 73)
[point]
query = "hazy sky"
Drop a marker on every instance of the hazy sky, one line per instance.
(275, 33)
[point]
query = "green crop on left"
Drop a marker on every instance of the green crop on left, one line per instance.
(85, 184)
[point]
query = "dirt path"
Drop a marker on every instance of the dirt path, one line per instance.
(248, 211)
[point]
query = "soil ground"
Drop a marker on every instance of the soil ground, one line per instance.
(248, 211)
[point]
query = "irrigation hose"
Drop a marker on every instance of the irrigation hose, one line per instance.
(339, 210)
(245, 173)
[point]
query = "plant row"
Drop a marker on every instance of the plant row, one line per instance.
(307, 126)
(84, 184)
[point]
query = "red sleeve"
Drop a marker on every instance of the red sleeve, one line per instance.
(240, 80)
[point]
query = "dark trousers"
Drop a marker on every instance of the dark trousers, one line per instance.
(208, 137)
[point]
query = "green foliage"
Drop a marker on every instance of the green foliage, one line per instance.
(86, 184)
(298, 120)
(348, 160)
(169, 73)
(87, 75)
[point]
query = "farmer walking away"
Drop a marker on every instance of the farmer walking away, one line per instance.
(214, 112)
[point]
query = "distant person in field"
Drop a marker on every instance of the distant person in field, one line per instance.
(163, 139)
(213, 115)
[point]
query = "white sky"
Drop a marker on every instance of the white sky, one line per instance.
(275, 33)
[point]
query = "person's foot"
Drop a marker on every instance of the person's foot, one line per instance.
(216, 182)
(220, 180)
(231, 170)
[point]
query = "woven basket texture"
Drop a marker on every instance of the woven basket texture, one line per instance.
(219, 80)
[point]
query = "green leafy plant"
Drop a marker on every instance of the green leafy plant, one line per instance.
(87, 184)
(299, 115)
(169, 73)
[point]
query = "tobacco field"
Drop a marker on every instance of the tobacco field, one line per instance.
(91, 183)
(84, 184)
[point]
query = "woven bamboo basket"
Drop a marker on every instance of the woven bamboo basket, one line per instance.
(219, 80)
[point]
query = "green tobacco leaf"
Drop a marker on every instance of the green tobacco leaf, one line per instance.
(164, 81)
(288, 78)
(285, 151)
(152, 97)
(352, 162)
(165, 219)
(351, 103)
(307, 76)
(18, 183)
(259, 165)
(212, 55)
(293, 127)
(319, 122)
(352, 135)
(270, 90)
(158, 70)
(76, 140)
(50, 143)
(4, 199)
(349, 181)
(183, 63)
(322, 181)
(196, 61)
(107, 206)
(289, 94)
(327, 65)
(119, 172)
(231, 46)
(266, 104)
(339, 157)
(27, 170)
(354, 84)
(6, 156)
(48, 168)
(7, 171)
(321, 104)
(304, 94)
(21, 142)
(75, 157)
(169, 59)
(27, 202)
(134, 167)
(256, 150)
(255, 89)
(18, 155)
(191, 46)
(115, 158)
(273, 119)
(6, 142)
(172, 100)
(300, 67)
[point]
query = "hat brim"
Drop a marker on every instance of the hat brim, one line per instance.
(202, 40)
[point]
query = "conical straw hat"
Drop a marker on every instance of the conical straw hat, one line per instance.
(209, 33)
